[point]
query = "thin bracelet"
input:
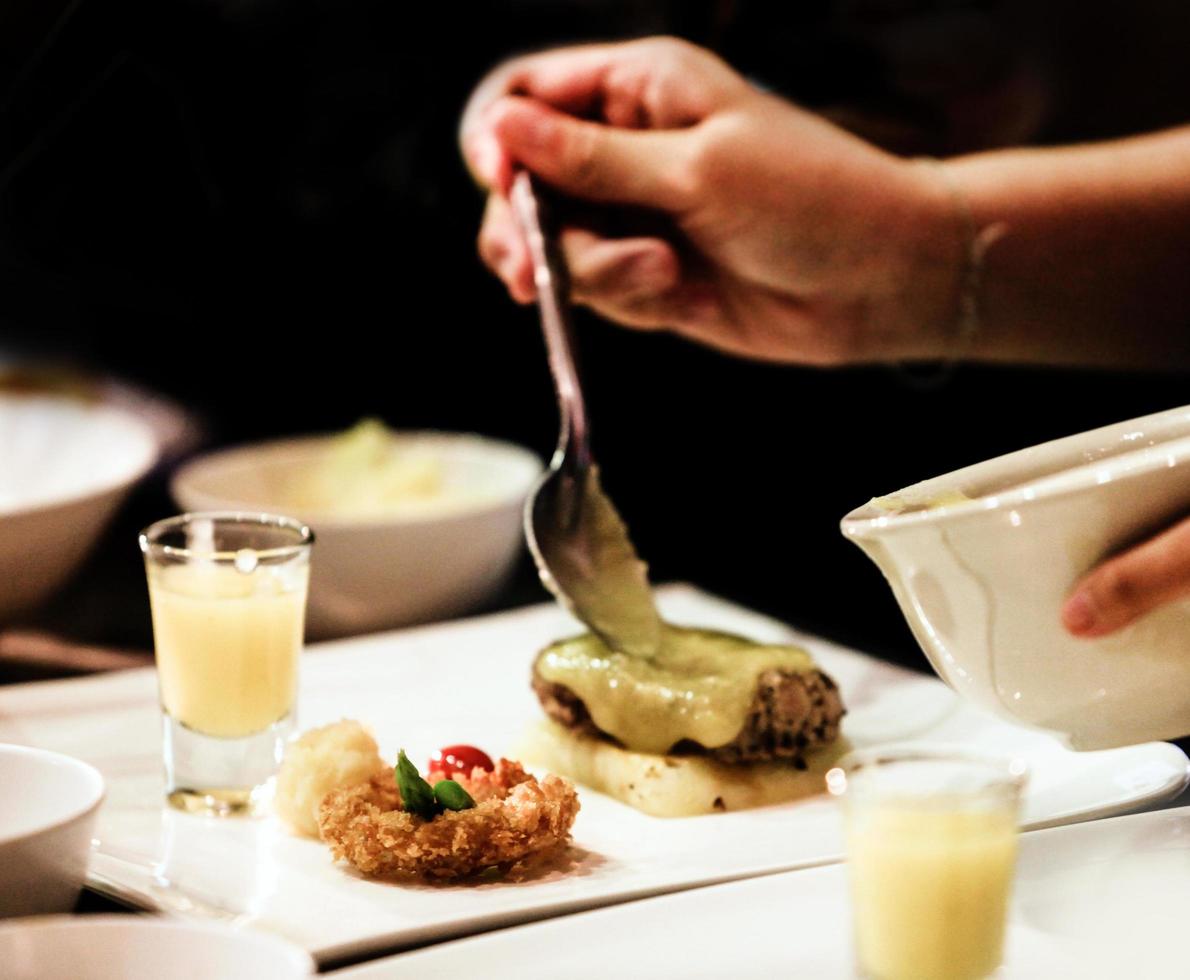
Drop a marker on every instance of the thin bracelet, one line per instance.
(976, 242)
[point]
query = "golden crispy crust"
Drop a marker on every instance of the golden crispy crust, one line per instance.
(515, 817)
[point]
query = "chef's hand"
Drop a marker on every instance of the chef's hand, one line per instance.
(783, 237)
(1131, 584)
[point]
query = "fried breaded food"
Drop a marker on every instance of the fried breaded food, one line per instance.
(515, 817)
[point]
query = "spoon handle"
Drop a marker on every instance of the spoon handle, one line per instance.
(553, 291)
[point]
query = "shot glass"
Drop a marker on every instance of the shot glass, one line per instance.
(931, 853)
(228, 596)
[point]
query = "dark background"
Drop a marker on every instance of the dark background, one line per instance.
(257, 207)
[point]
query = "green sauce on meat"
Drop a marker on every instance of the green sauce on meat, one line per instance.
(698, 684)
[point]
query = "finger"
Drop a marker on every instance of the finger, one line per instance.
(488, 162)
(503, 249)
(569, 79)
(656, 83)
(622, 269)
(669, 82)
(590, 160)
(1126, 587)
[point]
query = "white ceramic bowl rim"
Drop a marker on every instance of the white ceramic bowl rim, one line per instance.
(1128, 464)
(94, 797)
(298, 959)
(139, 462)
(514, 494)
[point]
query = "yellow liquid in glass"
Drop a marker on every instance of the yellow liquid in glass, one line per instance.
(227, 644)
(930, 890)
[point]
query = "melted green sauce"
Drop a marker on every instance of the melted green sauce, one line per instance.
(698, 684)
(597, 574)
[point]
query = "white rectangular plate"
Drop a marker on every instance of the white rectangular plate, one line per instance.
(468, 682)
(1099, 901)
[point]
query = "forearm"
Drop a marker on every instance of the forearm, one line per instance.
(1090, 262)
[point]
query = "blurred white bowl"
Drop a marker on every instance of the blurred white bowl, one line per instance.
(66, 464)
(982, 580)
(379, 572)
(136, 947)
(47, 810)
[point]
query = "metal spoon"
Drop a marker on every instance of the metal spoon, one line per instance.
(577, 538)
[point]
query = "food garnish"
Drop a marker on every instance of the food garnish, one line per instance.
(452, 796)
(460, 758)
(426, 801)
(417, 796)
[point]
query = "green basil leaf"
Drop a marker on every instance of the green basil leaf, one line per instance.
(417, 796)
(452, 796)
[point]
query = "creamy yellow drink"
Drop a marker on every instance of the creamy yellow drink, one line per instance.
(227, 644)
(930, 887)
(228, 595)
(931, 851)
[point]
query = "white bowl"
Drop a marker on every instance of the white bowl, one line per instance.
(982, 581)
(381, 572)
(136, 947)
(66, 464)
(47, 811)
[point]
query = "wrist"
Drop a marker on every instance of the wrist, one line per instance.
(935, 311)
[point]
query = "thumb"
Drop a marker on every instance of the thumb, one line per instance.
(590, 160)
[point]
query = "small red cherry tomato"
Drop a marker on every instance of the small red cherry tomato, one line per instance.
(460, 759)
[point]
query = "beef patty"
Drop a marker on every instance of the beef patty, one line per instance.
(791, 713)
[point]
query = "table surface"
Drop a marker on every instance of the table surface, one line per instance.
(91, 903)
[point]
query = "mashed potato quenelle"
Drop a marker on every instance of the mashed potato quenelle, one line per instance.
(323, 759)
